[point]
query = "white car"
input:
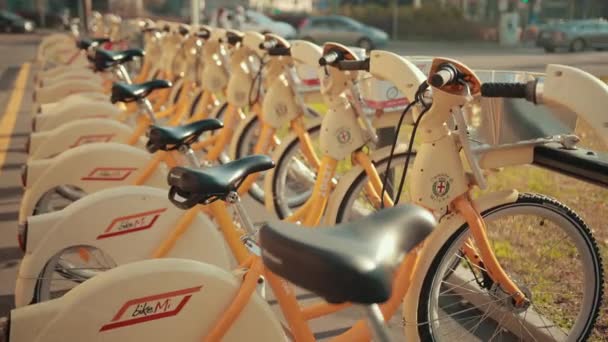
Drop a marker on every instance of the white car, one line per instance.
(256, 21)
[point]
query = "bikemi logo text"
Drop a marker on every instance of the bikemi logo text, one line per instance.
(134, 223)
(109, 174)
(131, 223)
(149, 308)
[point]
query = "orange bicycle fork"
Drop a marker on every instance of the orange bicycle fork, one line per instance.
(478, 230)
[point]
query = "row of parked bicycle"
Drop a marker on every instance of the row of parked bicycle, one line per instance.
(107, 257)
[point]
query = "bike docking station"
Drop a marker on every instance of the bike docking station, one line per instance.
(161, 210)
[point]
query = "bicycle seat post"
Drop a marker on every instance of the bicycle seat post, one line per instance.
(123, 73)
(234, 199)
(189, 153)
(147, 107)
(375, 321)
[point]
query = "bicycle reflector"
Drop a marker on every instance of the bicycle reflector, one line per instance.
(22, 235)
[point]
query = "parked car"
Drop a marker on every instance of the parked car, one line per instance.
(256, 21)
(574, 35)
(58, 20)
(340, 29)
(11, 22)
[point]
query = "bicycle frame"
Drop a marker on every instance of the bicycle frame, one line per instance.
(283, 105)
(237, 90)
(296, 316)
(342, 135)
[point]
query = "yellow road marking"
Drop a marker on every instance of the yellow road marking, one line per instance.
(7, 124)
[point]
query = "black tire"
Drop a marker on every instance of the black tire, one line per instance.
(578, 45)
(258, 194)
(531, 200)
(57, 269)
(356, 184)
(219, 114)
(255, 193)
(281, 214)
(195, 103)
(365, 43)
(178, 93)
(56, 199)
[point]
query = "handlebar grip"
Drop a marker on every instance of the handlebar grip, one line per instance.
(279, 51)
(203, 34)
(354, 65)
(510, 90)
(268, 44)
(183, 30)
(330, 58)
(150, 29)
(446, 73)
(233, 39)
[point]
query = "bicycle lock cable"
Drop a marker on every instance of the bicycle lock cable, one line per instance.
(257, 78)
(417, 99)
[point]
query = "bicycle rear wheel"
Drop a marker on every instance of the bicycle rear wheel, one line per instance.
(69, 268)
(548, 251)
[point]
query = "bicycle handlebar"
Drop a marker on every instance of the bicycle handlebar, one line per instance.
(203, 34)
(336, 59)
(279, 51)
(273, 50)
(510, 90)
(447, 73)
(233, 39)
(183, 30)
(268, 44)
(330, 58)
(354, 65)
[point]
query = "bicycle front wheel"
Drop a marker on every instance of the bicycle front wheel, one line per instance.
(544, 247)
(246, 139)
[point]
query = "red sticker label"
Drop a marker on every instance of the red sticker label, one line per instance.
(109, 174)
(131, 223)
(311, 82)
(93, 138)
(387, 104)
(150, 308)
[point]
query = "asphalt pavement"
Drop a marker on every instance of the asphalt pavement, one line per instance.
(20, 49)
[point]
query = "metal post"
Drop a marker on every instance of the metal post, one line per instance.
(395, 18)
(85, 14)
(375, 321)
(195, 10)
(41, 9)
